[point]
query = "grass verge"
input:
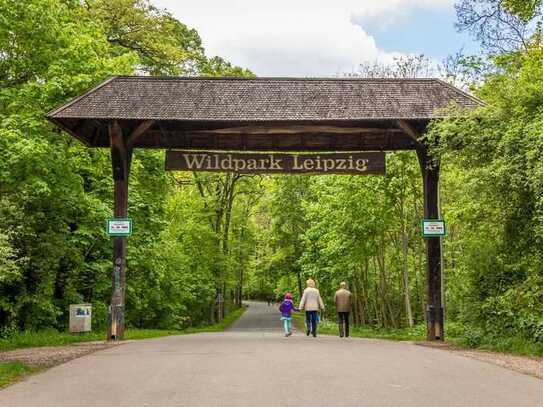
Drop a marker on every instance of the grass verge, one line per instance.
(512, 345)
(11, 371)
(49, 337)
(327, 327)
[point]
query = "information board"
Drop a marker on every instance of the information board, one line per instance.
(119, 227)
(433, 228)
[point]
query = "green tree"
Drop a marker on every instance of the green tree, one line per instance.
(55, 193)
(498, 153)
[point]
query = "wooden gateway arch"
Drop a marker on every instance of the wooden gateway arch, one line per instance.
(261, 115)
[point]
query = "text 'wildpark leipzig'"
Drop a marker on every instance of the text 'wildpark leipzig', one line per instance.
(333, 163)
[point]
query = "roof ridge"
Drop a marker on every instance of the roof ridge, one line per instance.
(267, 78)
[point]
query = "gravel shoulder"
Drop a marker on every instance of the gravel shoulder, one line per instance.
(48, 356)
(529, 365)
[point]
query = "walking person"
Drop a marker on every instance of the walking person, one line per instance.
(342, 299)
(312, 303)
(286, 308)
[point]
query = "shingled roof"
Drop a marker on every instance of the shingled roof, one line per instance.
(263, 99)
(271, 114)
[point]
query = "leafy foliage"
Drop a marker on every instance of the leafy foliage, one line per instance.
(56, 194)
(498, 153)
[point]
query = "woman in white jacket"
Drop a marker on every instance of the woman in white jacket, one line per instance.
(312, 303)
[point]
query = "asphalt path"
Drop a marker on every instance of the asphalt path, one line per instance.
(253, 364)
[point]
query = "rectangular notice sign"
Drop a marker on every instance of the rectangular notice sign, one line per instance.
(433, 228)
(119, 227)
(257, 163)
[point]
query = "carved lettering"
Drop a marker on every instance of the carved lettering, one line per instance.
(361, 165)
(275, 163)
(309, 164)
(295, 165)
(195, 161)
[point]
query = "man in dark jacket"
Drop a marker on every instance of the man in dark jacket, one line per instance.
(342, 299)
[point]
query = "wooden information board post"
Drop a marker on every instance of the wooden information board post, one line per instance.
(121, 146)
(434, 311)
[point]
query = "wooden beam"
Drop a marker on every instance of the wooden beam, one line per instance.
(138, 132)
(285, 142)
(294, 129)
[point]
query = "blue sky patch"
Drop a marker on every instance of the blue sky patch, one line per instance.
(421, 31)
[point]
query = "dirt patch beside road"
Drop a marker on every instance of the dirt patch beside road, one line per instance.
(532, 366)
(47, 356)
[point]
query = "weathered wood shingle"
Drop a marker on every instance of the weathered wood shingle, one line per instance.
(264, 99)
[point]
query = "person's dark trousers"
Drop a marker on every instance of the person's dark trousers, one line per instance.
(311, 322)
(343, 322)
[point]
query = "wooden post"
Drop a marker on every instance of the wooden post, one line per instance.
(435, 317)
(121, 156)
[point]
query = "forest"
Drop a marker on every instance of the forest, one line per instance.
(204, 242)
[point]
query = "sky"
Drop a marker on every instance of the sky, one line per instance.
(321, 38)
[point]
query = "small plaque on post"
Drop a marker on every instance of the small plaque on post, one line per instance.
(119, 227)
(433, 228)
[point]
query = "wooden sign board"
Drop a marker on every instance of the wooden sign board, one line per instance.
(257, 163)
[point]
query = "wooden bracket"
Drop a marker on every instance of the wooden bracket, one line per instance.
(410, 131)
(138, 132)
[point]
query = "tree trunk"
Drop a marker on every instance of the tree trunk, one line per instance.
(384, 284)
(407, 294)
(299, 281)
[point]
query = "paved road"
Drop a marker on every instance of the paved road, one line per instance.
(259, 318)
(252, 364)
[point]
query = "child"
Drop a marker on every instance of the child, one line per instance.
(286, 308)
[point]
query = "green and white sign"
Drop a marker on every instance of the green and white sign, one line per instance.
(119, 227)
(433, 228)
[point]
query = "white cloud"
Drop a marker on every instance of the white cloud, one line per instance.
(389, 11)
(291, 38)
